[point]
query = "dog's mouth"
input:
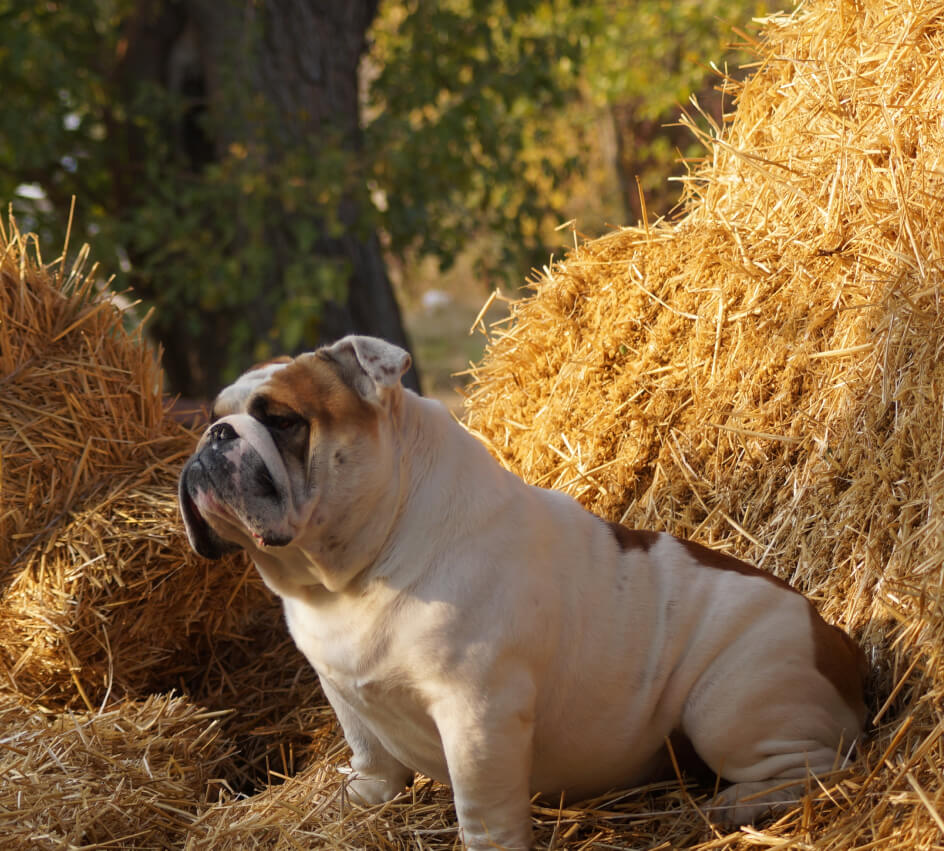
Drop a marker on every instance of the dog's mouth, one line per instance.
(203, 537)
(204, 540)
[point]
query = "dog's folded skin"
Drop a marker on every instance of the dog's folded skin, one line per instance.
(496, 636)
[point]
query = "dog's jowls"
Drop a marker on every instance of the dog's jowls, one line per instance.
(496, 636)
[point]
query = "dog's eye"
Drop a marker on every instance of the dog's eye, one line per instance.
(277, 418)
(281, 422)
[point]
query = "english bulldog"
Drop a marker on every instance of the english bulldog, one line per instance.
(494, 635)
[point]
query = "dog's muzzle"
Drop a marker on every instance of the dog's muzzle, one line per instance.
(228, 495)
(204, 540)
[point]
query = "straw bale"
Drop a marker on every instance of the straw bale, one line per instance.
(134, 775)
(103, 601)
(312, 810)
(766, 374)
(101, 593)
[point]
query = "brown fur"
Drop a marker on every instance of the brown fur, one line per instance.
(311, 387)
(722, 561)
(632, 539)
(841, 661)
(838, 658)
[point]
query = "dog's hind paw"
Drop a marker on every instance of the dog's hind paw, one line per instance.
(745, 803)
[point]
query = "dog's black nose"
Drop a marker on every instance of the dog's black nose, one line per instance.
(222, 431)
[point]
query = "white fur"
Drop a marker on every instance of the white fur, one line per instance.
(232, 397)
(496, 637)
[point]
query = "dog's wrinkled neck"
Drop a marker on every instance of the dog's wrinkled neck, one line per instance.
(404, 421)
(432, 451)
(342, 542)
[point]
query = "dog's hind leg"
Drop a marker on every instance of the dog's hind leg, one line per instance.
(770, 730)
(748, 801)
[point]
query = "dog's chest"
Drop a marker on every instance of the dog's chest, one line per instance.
(360, 659)
(341, 639)
(354, 644)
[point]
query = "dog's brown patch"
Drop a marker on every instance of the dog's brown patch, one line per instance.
(722, 561)
(841, 661)
(837, 657)
(633, 539)
(311, 387)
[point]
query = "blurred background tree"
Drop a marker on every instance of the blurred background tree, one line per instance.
(252, 167)
(216, 146)
(641, 82)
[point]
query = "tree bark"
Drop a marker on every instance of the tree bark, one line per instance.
(634, 159)
(296, 63)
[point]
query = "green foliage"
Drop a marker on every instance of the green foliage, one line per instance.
(200, 239)
(656, 51)
(206, 245)
(54, 121)
(643, 63)
(478, 121)
(484, 111)
(463, 115)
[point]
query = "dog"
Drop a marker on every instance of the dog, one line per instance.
(497, 636)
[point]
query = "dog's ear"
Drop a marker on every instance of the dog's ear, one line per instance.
(373, 367)
(232, 399)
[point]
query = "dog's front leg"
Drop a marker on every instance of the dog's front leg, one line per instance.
(487, 740)
(376, 776)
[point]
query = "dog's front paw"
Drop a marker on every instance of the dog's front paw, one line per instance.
(369, 791)
(485, 841)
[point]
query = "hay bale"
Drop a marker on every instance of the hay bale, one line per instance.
(135, 775)
(766, 375)
(103, 600)
(101, 593)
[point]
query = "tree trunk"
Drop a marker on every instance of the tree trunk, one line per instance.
(274, 77)
(636, 157)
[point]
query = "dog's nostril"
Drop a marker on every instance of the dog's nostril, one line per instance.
(223, 431)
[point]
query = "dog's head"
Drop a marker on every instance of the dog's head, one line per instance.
(298, 462)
